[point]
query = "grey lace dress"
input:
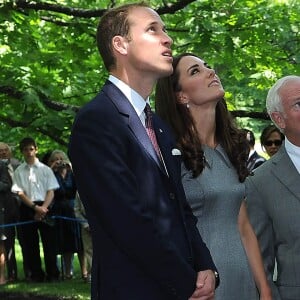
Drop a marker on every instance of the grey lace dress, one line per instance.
(215, 197)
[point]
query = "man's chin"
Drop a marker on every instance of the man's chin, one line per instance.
(166, 72)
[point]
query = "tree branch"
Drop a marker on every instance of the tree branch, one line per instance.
(54, 137)
(49, 133)
(70, 11)
(250, 114)
(173, 8)
(88, 13)
(57, 106)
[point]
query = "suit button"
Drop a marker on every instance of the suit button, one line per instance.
(172, 196)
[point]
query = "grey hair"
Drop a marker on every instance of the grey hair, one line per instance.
(59, 152)
(274, 101)
(4, 145)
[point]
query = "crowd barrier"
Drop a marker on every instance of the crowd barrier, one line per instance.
(46, 220)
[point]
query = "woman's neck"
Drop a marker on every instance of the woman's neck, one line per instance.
(205, 122)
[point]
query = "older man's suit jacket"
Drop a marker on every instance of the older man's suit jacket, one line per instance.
(273, 197)
(146, 245)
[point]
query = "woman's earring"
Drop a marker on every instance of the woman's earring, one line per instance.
(187, 106)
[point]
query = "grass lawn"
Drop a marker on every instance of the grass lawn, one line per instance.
(75, 288)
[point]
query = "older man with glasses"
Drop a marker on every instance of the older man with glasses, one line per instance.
(273, 193)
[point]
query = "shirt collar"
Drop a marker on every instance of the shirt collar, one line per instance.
(136, 100)
(35, 164)
(293, 152)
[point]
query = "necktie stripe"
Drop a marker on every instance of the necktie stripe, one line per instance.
(150, 129)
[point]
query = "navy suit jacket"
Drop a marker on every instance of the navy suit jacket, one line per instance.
(146, 245)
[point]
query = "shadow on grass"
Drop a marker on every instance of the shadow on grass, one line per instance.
(74, 289)
(27, 296)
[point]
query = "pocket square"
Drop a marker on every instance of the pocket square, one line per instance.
(176, 151)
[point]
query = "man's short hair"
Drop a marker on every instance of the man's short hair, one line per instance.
(114, 22)
(27, 141)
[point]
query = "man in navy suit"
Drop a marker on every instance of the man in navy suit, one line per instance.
(146, 244)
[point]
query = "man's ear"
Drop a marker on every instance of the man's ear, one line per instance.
(119, 44)
(278, 119)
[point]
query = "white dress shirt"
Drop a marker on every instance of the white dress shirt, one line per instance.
(293, 152)
(34, 180)
(136, 100)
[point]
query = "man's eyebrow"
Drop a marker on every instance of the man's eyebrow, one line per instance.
(157, 23)
(153, 23)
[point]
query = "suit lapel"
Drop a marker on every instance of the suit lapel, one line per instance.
(131, 119)
(286, 172)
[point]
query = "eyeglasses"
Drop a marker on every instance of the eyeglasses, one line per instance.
(275, 142)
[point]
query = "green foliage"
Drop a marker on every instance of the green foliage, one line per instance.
(50, 65)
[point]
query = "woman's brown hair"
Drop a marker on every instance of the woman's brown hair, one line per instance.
(179, 118)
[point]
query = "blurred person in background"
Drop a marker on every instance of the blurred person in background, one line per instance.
(5, 216)
(86, 236)
(254, 159)
(12, 211)
(34, 182)
(68, 236)
(271, 139)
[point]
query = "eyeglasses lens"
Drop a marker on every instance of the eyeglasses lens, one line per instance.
(275, 142)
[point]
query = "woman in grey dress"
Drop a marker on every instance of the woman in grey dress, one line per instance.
(214, 169)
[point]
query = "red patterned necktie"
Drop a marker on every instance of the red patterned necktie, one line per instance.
(150, 129)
